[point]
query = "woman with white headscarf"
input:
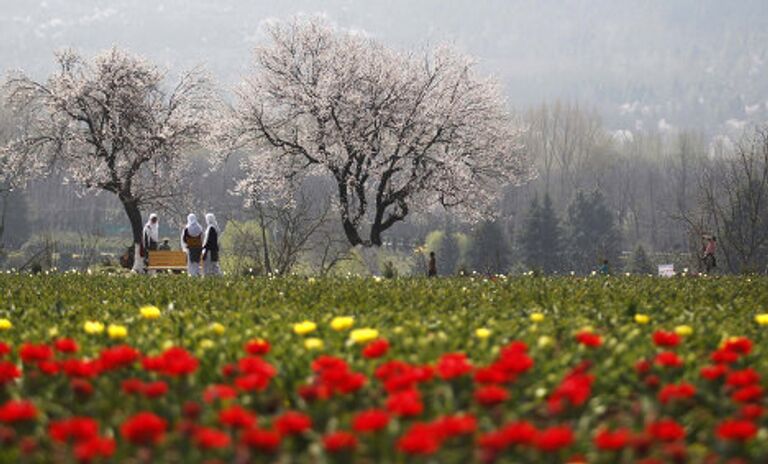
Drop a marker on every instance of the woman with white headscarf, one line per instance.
(192, 244)
(211, 246)
(149, 237)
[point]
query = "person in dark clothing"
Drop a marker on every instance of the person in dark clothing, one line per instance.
(192, 244)
(432, 267)
(211, 246)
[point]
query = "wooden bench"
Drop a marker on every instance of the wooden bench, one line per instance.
(167, 260)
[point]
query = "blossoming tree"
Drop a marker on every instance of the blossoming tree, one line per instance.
(397, 132)
(110, 125)
(14, 171)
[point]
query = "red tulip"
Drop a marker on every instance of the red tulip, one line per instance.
(144, 428)
(210, 438)
(666, 339)
(612, 440)
(736, 430)
(293, 423)
(13, 411)
(376, 349)
(371, 420)
(266, 441)
(337, 442)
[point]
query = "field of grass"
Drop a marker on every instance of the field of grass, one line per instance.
(529, 369)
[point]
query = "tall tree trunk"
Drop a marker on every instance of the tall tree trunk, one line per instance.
(350, 230)
(131, 206)
(262, 225)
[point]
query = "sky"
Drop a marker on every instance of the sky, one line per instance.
(643, 64)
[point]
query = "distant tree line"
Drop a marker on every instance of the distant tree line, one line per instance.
(336, 145)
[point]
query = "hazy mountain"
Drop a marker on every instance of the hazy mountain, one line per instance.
(642, 63)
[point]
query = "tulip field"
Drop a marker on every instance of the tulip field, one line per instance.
(364, 370)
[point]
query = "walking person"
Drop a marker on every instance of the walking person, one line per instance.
(192, 244)
(211, 246)
(432, 266)
(710, 248)
(149, 238)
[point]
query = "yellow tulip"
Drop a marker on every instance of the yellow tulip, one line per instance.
(482, 333)
(206, 344)
(683, 330)
(6, 324)
(642, 318)
(544, 341)
(305, 327)
(93, 327)
(313, 344)
(117, 331)
(342, 323)
(149, 312)
(363, 335)
(218, 328)
(537, 317)
(762, 319)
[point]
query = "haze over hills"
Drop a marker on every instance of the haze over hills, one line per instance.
(647, 64)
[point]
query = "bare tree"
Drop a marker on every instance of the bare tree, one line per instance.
(330, 251)
(735, 197)
(292, 230)
(109, 125)
(289, 226)
(561, 139)
(396, 132)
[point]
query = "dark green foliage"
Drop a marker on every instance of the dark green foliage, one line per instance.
(592, 235)
(540, 241)
(489, 251)
(449, 253)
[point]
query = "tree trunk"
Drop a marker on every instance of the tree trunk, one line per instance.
(131, 206)
(134, 216)
(370, 256)
(2, 218)
(350, 230)
(351, 233)
(262, 226)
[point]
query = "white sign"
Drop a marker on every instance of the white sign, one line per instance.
(666, 270)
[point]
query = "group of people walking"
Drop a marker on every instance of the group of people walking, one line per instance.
(200, 245)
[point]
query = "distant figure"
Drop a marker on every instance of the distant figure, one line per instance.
(604, 269)
(432, 266)
(165, 246)
(192, 244)
(149, 238)
(710, 248)
(211, 246)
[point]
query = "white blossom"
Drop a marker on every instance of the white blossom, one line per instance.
(110, 124)
(398, 132)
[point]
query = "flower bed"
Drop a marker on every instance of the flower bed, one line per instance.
(172, 369)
